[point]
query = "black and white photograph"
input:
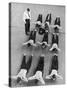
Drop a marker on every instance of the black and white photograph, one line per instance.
(36, 44)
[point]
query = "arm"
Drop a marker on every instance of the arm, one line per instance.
(30, 15)
(24, 17)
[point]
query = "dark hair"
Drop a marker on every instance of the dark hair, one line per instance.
(28, 9)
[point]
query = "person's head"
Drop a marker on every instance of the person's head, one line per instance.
(43, 45)
(28, 44)
(53, 77)
(28, 9)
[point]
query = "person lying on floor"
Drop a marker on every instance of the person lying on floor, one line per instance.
(24, 68)
(45, 32)
(55, 36)
(32, 39)
(38, 75)
(53, 74)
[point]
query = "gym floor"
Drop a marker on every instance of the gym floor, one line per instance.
(18, 37)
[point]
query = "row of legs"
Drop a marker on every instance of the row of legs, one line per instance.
(38, 73)
(44, 44)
